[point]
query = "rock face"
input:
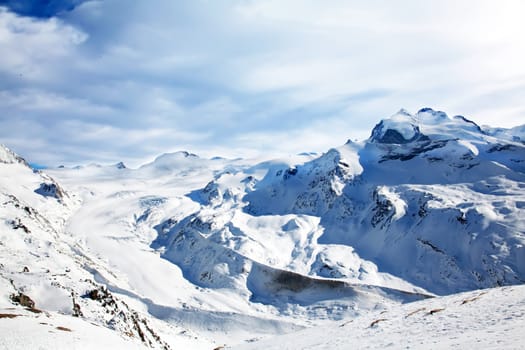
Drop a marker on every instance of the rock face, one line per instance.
(401, 128)
(50, 190)
(120, 165)
(23, 300)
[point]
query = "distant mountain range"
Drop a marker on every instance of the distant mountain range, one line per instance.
(186, 251)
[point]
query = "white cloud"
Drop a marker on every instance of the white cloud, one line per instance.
(125, 80)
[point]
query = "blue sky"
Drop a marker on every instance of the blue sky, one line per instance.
(111, 80)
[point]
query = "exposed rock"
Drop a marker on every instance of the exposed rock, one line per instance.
(23, 300)
(17, 224)
(51, 190)
(120, 165)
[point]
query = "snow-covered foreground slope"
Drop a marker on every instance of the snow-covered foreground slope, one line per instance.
(483, 319)
(47, 271)
(22, 329)
(206, 252)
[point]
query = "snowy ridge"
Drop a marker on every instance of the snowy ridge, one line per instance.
(188, 251)
(9, 157)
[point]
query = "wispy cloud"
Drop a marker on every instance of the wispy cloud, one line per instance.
(119, 80)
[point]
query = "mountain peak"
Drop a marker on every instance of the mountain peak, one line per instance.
(173, 160)
(120, 165)
(400, 128)
(430, 116)
(176, 155)
(9, 157)
(404, 128)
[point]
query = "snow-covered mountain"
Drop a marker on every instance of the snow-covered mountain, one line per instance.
(215, 251)
(433, 200)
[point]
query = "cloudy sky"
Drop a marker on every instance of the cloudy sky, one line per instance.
(110, 80)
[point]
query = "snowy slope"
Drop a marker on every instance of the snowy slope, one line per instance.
(484, 319)
(47, 270)
(50, 330)
(516, 133)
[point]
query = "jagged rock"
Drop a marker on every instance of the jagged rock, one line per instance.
(17, 224)
(23, 300)
(401, 128)
(120, 165)
(50, 190)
